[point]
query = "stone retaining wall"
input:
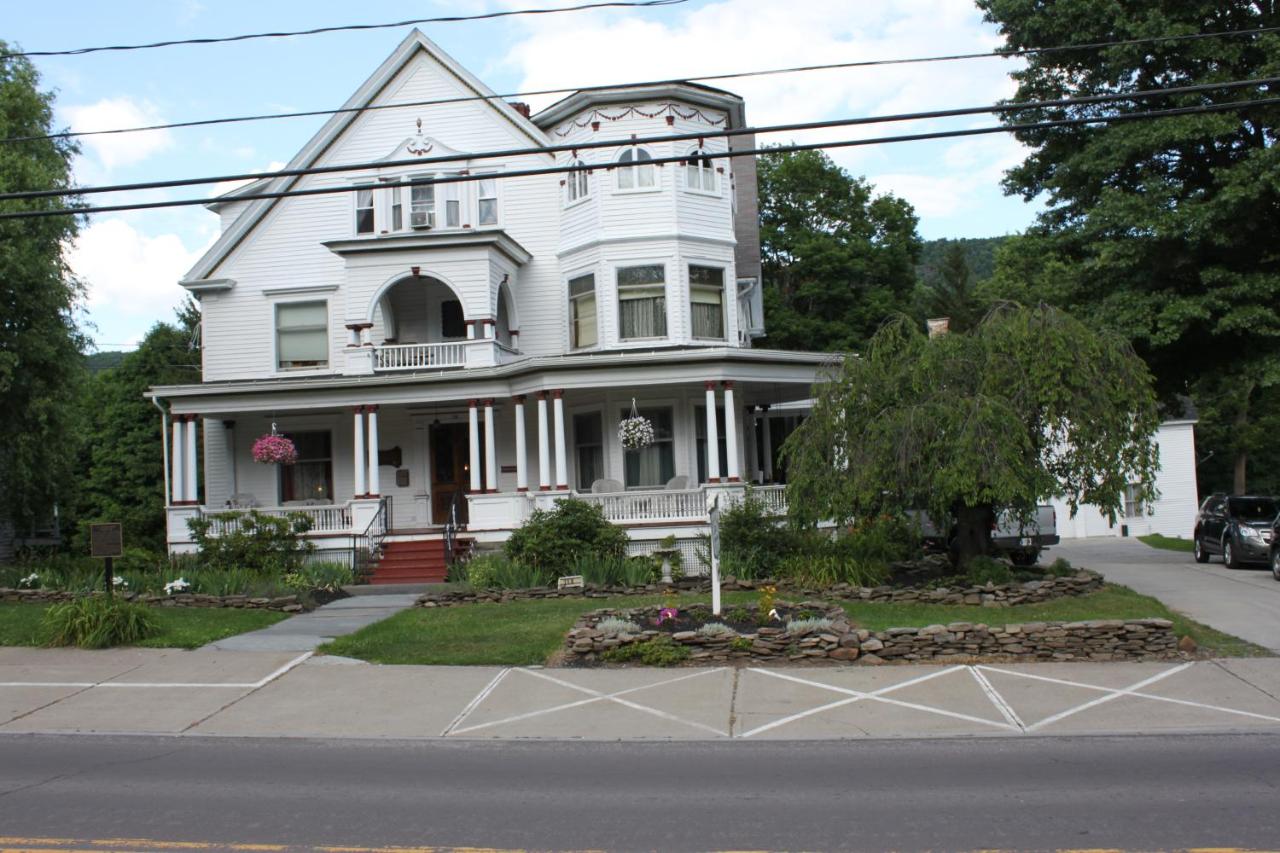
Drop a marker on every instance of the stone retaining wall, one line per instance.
(283, 604)
(1095, 640)
(991, 595)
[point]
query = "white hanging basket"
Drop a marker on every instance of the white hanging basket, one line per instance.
(635, 432)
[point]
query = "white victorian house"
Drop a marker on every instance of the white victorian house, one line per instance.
(448, 357)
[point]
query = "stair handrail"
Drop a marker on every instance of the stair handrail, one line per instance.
(451, 528)
(373, 536)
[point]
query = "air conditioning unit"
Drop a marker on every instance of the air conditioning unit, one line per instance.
(422, 219)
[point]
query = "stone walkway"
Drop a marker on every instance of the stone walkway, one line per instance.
(306, 631)
(273, 694)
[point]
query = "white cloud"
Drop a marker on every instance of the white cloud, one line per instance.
(227, 186)
(129, 272)
(120, 149)
(973, 168)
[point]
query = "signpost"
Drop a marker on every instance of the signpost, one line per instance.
(106, 541)
(715, 555)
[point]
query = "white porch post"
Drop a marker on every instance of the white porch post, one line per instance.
(731, 434)
(522, 466)
(175, 460)
(474, 422)
(190, 481)
(562, 469)
(713, 436)
(490, 449)
(360, 489)
(767, 439)
(544, 445)
(471, 329)
(375, 486)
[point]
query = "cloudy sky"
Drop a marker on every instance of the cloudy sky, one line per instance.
(132, 261)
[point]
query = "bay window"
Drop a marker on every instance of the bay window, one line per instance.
(706, 297)
(654, 465)
(302, 334)
(642, 302)
(582, 312)
(579, 183)
(637, 170)
(700, 172)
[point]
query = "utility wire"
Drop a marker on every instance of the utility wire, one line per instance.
(627, 143)
(799, 69)
(777, 149)
(446, 19)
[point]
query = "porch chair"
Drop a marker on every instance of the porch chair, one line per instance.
(678, 483)
(603, 487)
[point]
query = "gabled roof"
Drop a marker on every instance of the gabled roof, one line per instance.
(310, 153)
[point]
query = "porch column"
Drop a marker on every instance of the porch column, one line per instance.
(189, 481)
(359, 489)
(767, 440)
(544, 445)
(175, 461)
(562, 470)
(471, 329)
(490, 449)
(713, 436)
(522, 467)
(731, 434)
(374, 483)
(474, 421)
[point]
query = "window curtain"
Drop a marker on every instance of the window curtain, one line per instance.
(654, 465)
(302, 334)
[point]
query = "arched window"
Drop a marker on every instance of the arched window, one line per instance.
(637, 170)
(579, 183)
(700, 172)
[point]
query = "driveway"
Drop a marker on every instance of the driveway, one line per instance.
(1244, 602)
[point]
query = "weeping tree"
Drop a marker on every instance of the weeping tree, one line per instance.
(1030, 403)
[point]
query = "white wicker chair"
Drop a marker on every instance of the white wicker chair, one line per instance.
(678, 483)
(604, 487)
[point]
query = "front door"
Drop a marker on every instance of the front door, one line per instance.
(449, 473)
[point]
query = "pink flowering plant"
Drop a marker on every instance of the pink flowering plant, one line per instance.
(274, 450)
(667, 613)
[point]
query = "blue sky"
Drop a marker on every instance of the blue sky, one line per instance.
(131, 261)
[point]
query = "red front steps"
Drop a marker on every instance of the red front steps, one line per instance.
(419, 561)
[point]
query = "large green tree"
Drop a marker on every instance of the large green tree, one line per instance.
(41, 361)
(838, 259)
(1031, 403)
(951, 292)
(1164, 230)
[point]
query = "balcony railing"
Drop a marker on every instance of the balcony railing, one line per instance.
(481, 352)
(650, 506)
(774, 498)
(324, 519)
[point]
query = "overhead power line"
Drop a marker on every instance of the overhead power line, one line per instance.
(674, 137)
(793, 147)
(444, 19)
(703, 78)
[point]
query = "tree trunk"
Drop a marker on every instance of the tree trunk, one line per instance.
(973, 533)
(1241, 484)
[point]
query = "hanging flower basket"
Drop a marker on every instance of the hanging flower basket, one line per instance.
(635, 432)
(274, 450)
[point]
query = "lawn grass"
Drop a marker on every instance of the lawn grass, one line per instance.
(1168, 543)
(525, 633)
(180, 627)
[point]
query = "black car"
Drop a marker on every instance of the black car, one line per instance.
(1275, 548)
(1238, 527)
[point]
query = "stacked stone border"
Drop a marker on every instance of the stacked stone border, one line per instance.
(1083, 582)
(282, 604)
(1094, 640)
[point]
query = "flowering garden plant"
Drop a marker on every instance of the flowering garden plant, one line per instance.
(274, 450)
(635, 433)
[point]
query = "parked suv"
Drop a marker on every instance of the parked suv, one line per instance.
(1238, 527)
(1275, 548)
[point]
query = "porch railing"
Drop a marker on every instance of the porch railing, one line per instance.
(658, 505)
(366, 547)
(324, 519)
(774, 498)
(420, 356)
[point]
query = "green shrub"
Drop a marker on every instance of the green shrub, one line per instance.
(1060, 568)
(822, 570)
(880, 540)
(551, 541)
(809, 625)
(715, 629)
(752, 542)
(321, 576)
(617, 625)
(98, 623)
(258, 542)
(615, 571)
(983, 570)
(496, 571)
(660, 651)
(740, 644)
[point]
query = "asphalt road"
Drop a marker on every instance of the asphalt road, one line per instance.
(1134, 793)
(1244, 602)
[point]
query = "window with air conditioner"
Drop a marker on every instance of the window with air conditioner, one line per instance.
(422, 206)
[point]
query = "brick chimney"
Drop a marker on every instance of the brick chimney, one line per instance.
(520, 107)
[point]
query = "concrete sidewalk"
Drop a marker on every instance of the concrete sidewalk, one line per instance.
(306, 631)
(273, 694)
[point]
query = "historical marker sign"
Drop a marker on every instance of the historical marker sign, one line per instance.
(570, 582)
(106, 540)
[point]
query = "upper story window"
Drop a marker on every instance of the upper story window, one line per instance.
(422, 206)
(642, 302)
(706, 298)
(700, 172)
(487, 201)
(364, 210)
(636, 172)
(302, 334)
(582, 312)
(579, 183)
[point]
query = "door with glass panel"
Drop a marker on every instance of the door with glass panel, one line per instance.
(450, 471)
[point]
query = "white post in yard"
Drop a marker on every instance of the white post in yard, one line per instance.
(191, 482)
(544, 445)
(522, 461)
(714, 516)
(375, 485)
(175, 460)
(713, 437)
(474, 422)
(360, 490)
(490, 449)
(731, 434)
(767, 440)
(562, 469)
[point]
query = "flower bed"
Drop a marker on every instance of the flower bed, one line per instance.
(603, 636)
(283, 604)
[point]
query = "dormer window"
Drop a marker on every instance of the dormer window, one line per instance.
(636, 172)
(364, 210)
(579, 182)
(700, 172)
